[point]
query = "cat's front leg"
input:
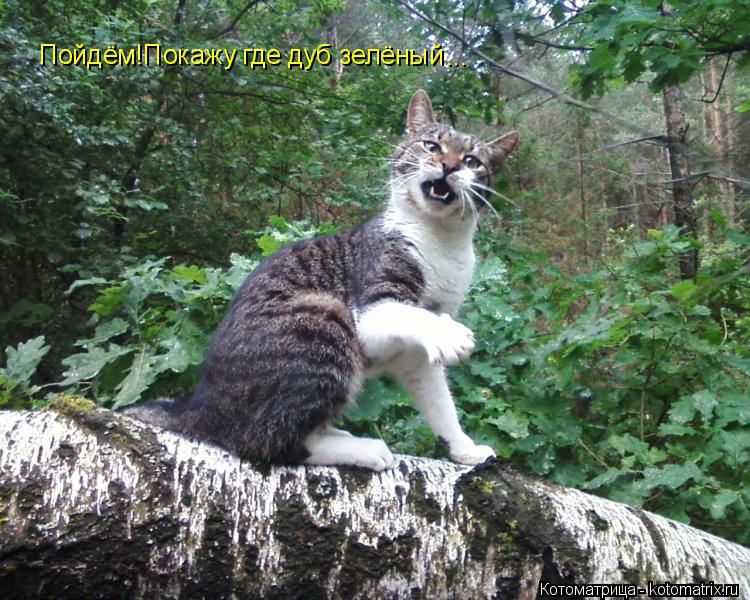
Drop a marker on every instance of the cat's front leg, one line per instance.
(389, 327)
(428, 388)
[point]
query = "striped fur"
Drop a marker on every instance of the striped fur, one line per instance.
(286, 358)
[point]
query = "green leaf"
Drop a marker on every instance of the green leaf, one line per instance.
(741, 239)
(606, 478)
(516, 426)
(492, 270)
(493, 374)
(682, 411)
(268, 244)
(633, 66)
(739, 362)
(699, 311)
(87, 365)
(375, 399)
(733, 408)
(682, 289)
(105, 331)
(704, 402)
(717, 504)
(670, 476)
(140, 376)
(675, 429)
(602, 58)
(22, 362)
(81, 282)
(28, 314)
(736, 445)
(108, 300)
(241, 266)
(178, 357)
(628, 444)
(190, 273)
(278, 222)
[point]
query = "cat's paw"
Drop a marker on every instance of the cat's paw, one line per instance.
(377, 456)
(341, 448)
(448, 341)
(466, 452)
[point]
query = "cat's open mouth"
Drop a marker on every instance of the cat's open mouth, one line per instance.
(439, 190)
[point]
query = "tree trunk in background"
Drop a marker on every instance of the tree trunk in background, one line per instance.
(719, 129)
(682, 197)
(94, 504)
(733, 160)
(581, 185)
(741, 153)
(332, 37)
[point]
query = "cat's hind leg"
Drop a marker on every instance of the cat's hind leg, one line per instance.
(328, 446)
(300, 364)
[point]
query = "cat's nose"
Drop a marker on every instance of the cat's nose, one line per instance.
(449, 166)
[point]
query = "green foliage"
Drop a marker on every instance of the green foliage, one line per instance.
(642, 395)
(664, 41)
(100, 168)
(625, 381)
(15, 378)
(149, 321)
(151, 324)
(122, 189)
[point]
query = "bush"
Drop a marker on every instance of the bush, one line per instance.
(626, 381)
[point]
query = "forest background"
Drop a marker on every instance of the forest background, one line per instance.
(610, 301)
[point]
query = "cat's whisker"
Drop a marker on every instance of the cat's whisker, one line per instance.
(388, 159)
(411, 164)
(403, 175)
(419, 173)
(480, 197)
(467, 201)
(375, 157)
(493, 191)
(462, 198)
(404, 178)
(483, 199)
(484, 187)
(474, 211)
(391, 144)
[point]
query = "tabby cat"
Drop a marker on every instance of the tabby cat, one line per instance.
(317, 317)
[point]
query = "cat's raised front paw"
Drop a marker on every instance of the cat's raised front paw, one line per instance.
(469, 453)
(448, 342)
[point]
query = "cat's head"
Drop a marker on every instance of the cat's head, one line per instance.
(440, 171)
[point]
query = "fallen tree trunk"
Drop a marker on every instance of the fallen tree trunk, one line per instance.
(93, 504)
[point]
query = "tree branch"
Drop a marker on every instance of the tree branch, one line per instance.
(721, 82)
(236, 19)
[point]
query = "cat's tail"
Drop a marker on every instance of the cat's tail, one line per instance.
(162, 412)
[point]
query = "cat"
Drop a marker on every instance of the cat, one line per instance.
(317, 317)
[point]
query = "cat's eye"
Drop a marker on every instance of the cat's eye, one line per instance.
(431, 146)
(472, 161)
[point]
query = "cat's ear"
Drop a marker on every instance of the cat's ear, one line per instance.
(501, 147)
(419, 113)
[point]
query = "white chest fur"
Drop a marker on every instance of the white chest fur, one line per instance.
(444, 253)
